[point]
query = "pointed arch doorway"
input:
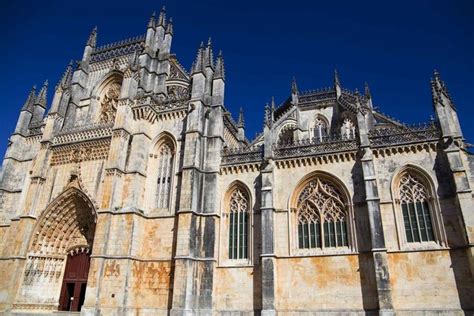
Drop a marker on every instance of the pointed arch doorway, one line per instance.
(57, 264)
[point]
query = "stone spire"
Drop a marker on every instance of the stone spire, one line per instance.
(151, 22)
(169, 27)
(198, 62)
(30, 100)
(337, 82)
(220, 70)
(294, 87)
(367, 91)
(92, 40)
(241, 122)
(66, 78)
(208, 55)
(162, 17)
(294, 92)
(41, 99)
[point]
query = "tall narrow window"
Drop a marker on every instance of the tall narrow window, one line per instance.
(320, 129)
(414, 200)
(321, 216)
(238, 224)
(165, 169)
(348, 129)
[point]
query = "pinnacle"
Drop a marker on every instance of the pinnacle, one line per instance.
(92, 41)
(151, 22)
(294, 87)
(169, 26)
(162, 16)
(30, 99)
(367, 90)
(241, 117)
(337, 82)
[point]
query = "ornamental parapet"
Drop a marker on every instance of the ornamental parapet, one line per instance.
(404, 135)
(117, 49)
(242, 155)
(315, 146)
(83, 133)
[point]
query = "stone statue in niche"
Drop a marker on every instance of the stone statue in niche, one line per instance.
(109, 103)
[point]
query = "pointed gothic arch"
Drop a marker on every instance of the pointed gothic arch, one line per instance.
(160, 174)
(321, 216)
(237, 222)
(417, 211)
(64, 232)
(105, 96)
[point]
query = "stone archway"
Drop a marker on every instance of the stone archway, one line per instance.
(63, 235)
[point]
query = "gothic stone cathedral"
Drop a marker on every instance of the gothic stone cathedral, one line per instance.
(137, 193)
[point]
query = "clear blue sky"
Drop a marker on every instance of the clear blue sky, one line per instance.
(393, 45)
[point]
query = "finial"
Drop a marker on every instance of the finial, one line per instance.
(162, 17)
(241, 117)
(220, 69)
(30, 100)
(209, 41)
(92, 41)
(208, 54)
(337, 82)
(356, 92)
(151, 22)
(367, 91)
(273, 103)
(294, 88)
(169, 26)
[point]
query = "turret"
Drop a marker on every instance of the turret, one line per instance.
(26, 113)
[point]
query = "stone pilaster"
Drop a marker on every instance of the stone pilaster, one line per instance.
(378, 248)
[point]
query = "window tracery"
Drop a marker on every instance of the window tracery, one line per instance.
(238, 224)
(348, 129)
(321, 216)
(165, 170)
(320, 129)
(414, 201)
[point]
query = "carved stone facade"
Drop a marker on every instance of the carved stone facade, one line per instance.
(138, 178)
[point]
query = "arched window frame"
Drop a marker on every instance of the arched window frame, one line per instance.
(440, 239)
(319, 128)
(225, 225)
(287, 128)
(293, 220)
(97, 94)
(155, 171)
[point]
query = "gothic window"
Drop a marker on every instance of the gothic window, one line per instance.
(238, 224)
(414, 201)
(320, 129)
(165, 170)
(321, 216)
(108, 103)
(348, 129)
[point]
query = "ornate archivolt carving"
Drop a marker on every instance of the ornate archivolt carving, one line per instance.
(109, 102)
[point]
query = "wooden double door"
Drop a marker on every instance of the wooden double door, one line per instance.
(73, 291)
